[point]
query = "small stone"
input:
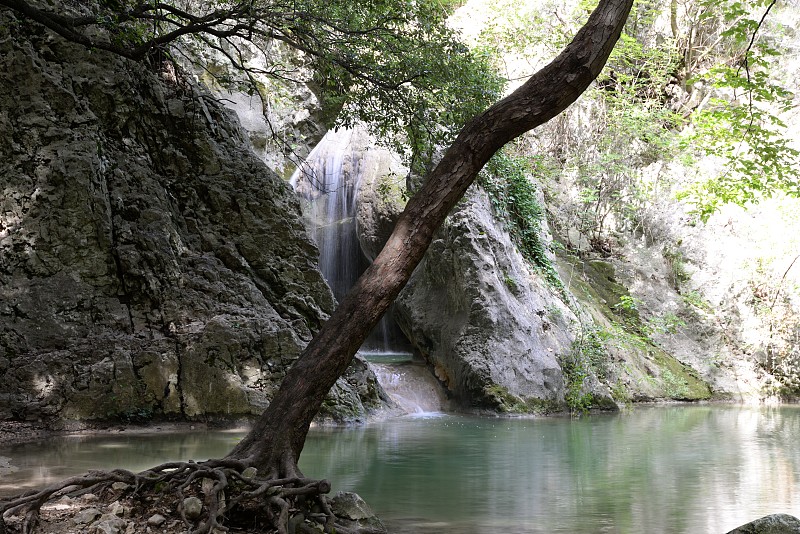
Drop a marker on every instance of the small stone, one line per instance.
(86, 516)
(116, 508)
(156, 520)
(192, 507)
(119, 486)
(249, 473)
(89, 497)
(109, 524)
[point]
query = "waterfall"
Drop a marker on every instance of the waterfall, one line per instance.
(410, 384)
(329, 180)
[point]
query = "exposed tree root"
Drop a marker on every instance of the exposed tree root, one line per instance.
(233, 496)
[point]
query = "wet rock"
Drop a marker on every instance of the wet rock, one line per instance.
(771, 524)
(354, 512)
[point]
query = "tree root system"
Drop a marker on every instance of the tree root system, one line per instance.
(206, 497)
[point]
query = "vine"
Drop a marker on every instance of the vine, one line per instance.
(513, 198)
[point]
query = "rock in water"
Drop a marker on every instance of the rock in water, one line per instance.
(355, 513)
(771, 524)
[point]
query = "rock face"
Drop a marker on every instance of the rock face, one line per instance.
(491, 329)
(150, 263)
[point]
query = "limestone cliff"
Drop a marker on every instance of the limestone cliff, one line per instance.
(492, 330)
(150, 263)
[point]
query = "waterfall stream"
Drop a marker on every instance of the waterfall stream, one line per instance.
(329, 181)
(409, 383)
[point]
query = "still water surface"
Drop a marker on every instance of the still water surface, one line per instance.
(674, 469)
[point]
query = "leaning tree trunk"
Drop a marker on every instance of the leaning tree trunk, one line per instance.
(277, 438)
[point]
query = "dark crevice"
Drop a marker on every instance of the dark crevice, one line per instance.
(179, 379)
(124, 295)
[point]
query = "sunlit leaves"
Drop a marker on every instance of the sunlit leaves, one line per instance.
(741, 124)
(393, 64)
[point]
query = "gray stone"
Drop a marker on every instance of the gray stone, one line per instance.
(109, 524)
(380, 197)
(491, 328)
(156, 520)
(150, 263)
(192, 507)
(351, 509)
(86, 516)
(117, 509)
(771, 524)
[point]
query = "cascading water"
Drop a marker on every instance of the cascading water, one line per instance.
(409, 383)
(329, 180)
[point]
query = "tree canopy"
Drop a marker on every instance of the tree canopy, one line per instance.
(393, 65)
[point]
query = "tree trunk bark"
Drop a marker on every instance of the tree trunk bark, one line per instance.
(276, 440)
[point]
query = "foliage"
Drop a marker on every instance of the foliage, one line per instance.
(502, 399)
(676, 261)
(666, 323)
(623, 126)
(628, 303)
(395, 66)
(513, 196)
(741, 123)
(649, 93)
(674, 387)
(694, 299)
(587, 357)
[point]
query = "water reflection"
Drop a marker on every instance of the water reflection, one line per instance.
(657, 470)
(38, 464)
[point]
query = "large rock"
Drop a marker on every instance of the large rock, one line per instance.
(771, 524)
(492, 330)
(356, 514)
(150, 263)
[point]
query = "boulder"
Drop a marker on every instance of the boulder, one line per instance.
(492, 329)
(355, 513)
(771, 524)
